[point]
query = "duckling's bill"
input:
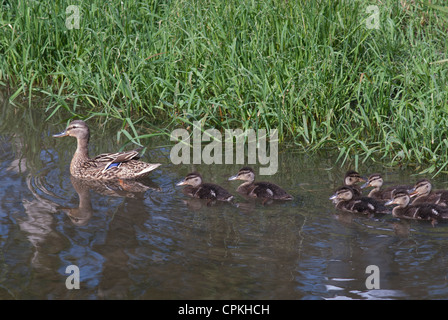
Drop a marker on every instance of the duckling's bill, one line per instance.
(365, 185)
(235, 177)
(61, 134)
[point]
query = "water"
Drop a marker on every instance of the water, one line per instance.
(159, 244)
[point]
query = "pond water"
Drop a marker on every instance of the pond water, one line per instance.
(156, 243)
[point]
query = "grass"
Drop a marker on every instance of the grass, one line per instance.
(311, 69)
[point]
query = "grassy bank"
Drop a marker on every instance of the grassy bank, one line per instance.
(318, 71)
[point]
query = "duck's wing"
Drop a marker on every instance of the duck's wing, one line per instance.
(205, 191)
(442, 197)
(433, 198)
(360, 206)
(262, 191)
(367, 205)
(118, 157)
(424, 211)
(270, 191)
(220, 192)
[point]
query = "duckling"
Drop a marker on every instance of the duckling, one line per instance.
(265, 190)
(376, 181)
(197, 189)
(345, 199)
(421, 211)
(422, 192)
(351, 179)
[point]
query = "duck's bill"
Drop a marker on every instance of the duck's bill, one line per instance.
(61, 134)
(412, 193)
(365, 185)
(388, 203)
(332, 197)
(181, 183)
(235, 177)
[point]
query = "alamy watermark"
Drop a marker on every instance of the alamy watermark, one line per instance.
(72, 20)
(373, 21)
(212, 153)
(373, 280)
(72, 281)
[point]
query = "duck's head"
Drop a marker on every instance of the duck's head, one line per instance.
(77, 129)
(192, 179)
(400, 198)
(374, 180)
(352, 178)
(344, 193)
(246, 174)
(421, 188)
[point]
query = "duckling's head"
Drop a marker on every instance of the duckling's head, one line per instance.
(375, 180)
(401, 198)
(421, 188)
(77, 129)
(246, 174)
(192, 179)
(352, 178)
(344, 193)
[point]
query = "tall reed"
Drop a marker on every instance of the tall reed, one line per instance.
(315, 70)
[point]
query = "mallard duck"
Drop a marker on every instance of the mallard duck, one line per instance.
(345, 199)
(197, 189)
(422, 193)
(351, 179)
(264, 190)
(376, 181)
(421, 211)
(120, 165)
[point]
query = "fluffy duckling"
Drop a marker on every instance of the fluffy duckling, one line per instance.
(345, 199)
(197, 189)
(351, 179)
(421, 211)
(265, 190)
(376, 181)
(422, 193)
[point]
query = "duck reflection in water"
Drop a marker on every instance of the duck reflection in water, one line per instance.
(198, 204)
(112, 188)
